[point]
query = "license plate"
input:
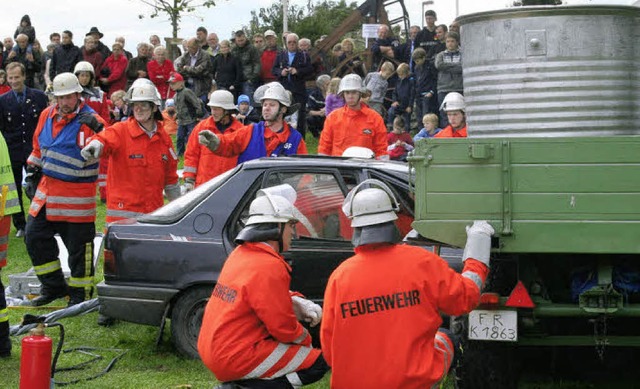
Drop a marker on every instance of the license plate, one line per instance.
(501, 326)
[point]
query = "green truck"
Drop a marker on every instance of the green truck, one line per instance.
(563, 198)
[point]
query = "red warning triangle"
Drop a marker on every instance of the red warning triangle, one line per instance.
(519, 297)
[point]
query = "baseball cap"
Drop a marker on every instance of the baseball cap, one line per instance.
(176, 77)
(243, 99)
(270, 33)
(169, 103)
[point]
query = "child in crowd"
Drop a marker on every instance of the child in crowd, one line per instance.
(400, 142)
(246, 113)
(377, 84)
(120, 111)
(449, 65)
(333, 101)
(426, 78)
(169, 117)
(189, 108)
(4, 87)
(430, 123)
(27, 29)
(403, 96)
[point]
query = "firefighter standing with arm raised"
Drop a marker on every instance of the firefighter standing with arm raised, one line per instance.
(65, 199)
(250, 335)
(141, 158)
(382, 306)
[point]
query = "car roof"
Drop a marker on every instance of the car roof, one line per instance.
(393, 167)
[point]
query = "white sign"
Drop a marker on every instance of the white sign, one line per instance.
(501, 326)
(370, 30)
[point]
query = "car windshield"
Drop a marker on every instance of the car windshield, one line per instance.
(178, 207)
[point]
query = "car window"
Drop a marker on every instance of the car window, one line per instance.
(318, 204)
(178, 207)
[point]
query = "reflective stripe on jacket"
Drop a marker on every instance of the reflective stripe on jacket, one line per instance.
(66, 201)
(249, 329)
(139, 168)
(200, 163)
(382, 312)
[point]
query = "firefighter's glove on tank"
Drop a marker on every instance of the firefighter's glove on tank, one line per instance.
(306, 310)
(92, 151)
(90, 121)
(478, 244)
(32, 179)
(189, 184)
(172, 191)
(209, 140)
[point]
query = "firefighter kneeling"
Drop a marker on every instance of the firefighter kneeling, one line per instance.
(250, 336)
(382, 306)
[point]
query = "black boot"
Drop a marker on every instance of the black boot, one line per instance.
(46, 298)
(5, 341)
(76, 296)
(53, 288)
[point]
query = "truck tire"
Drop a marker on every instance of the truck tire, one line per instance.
(186, 319)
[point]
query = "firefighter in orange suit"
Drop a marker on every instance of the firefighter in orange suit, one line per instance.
(141, 158)
(272, 137)
(63, 190)
(355, 124)
(453, 105)
(200, 164)
(250, 335)
(382, 306)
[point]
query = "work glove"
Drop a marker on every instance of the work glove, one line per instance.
(172, 191)
(306, 310)
(92, 151)
(32, 179)
(189, 184)
(209, 140)
(90, 121)
(478, 244)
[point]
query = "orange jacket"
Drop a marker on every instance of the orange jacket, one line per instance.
(346, 127)
(139, 168)
(73, 202)
(249, 329)
(199, 162)
(233, 144)
(448, 132)
(170, 123)
(381, 313)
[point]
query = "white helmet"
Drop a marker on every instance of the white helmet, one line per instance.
(453, 101)
(222, 99)
(144, 92)
(358, 152)
(351, 82)
(83, 66)
(139, 82)
(370, 206)
(66, 84)
(273, 205)
(275, 91)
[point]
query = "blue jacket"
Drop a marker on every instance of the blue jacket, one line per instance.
(18, 122)
(257, 149)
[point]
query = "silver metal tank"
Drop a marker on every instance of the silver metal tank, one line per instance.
(552, 71)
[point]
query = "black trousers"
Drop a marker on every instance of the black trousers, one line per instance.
(43, 250)
(19, 220)
(5, 342)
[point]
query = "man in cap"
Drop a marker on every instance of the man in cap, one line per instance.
(101, 47)
(200, 164)
(382, 306)
(453, 106)
(141, 153)
(268, 57)
(189, 109)
(63, 192)
(19, 112)
(250, 335)
(272, 137)
(355, 124)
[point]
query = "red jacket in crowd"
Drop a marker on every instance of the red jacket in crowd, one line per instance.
(159, 75)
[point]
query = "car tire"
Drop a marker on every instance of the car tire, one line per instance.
(186, 319)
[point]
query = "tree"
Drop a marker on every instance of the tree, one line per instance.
(311, 21)
(174, 9)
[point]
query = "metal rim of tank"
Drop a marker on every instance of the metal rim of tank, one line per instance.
(541, 11)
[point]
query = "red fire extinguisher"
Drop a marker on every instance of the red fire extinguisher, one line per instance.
(35, 361)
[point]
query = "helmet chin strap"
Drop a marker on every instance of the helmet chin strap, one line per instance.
(280, 240)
